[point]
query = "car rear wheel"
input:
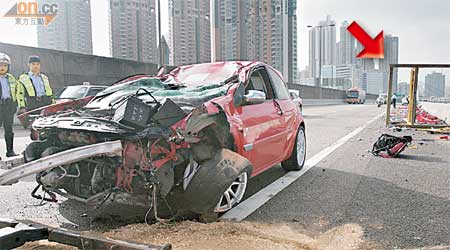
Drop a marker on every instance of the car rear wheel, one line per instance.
(298, 156)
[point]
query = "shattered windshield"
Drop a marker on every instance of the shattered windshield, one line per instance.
(133, 86)
(190, 95)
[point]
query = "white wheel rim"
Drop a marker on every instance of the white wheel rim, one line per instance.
(301, 147)
(233, 194)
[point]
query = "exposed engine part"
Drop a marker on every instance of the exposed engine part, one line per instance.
(51, 179)
(42, 197)
(164, 178)
(101, 174)
(207, 133)
(134, 112)
(35, 149)
(97, 175)
(76, 138)
(169, 114)
(155, 207)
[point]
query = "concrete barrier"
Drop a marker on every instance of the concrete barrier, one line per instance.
(67, 68)
(319, 102)
(313, 93)
(441, 110)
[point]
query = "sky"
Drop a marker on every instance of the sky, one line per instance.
(423, 26)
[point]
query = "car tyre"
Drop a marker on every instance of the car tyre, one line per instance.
(298, 156)
(224, 174)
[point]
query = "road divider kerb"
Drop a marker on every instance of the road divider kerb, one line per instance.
(251, 204)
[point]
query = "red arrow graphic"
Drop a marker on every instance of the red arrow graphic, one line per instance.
(373, 48)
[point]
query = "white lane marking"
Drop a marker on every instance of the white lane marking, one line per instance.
(251, 204)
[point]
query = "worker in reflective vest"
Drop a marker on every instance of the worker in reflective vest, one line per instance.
(38, 92)
(11, 97)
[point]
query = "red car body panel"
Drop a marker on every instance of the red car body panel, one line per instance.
(271, 132)
(24, 118)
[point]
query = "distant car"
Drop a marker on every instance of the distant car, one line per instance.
(381, 99)
(76, 95)
(77, 92)
(295, 96)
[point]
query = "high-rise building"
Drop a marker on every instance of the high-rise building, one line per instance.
(390, 57)
(346, 47)
(347, 76)
(165, 51)
(231, 29)
(380, 67)
(375, 82)
(134, 33)
(435, 85)
(292, 60)
(263, 30)
(366, 64)
(322, 46)
(71, 30)
(189, 31)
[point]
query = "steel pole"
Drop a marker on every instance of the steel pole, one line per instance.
(320, 62)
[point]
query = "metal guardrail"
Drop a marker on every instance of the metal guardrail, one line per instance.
(16, 233)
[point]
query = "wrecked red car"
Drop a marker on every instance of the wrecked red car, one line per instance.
(187, 140)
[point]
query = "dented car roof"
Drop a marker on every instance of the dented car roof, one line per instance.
(188, 86)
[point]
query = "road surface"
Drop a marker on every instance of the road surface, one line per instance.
(401, 203)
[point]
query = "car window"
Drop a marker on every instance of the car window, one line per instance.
(73, 92)
(94, 91)
(278, 85)
(259, 80)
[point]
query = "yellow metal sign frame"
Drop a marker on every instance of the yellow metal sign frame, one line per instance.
(412, 104)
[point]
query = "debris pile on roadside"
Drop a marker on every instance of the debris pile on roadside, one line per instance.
(188, 235)
(423, 117)
(436, 130)
(389, 146)
(399, 117)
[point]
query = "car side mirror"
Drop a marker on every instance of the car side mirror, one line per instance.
(254, 97)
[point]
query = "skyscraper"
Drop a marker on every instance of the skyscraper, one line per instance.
(376, 82)
(292, 60)
(71, 30)
(133, 30)
(263, 30)
(322, 46)
(230, 23)
(346, 47)
(189, 31)
(165, 51)
(435, 85)
(390, 57)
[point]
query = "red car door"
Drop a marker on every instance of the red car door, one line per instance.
(260, 125)
(288, 120)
